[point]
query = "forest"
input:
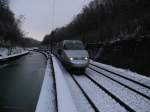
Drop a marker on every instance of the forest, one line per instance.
(10, 31)
(115, 32)
(107, 20)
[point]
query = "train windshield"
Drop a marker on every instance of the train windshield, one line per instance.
(74, 46)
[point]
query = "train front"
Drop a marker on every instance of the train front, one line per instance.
(76, 55)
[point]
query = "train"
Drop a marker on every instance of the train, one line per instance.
(72, 54)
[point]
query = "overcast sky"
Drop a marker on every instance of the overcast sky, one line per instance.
(38, 14)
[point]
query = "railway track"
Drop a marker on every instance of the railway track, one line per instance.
(98, 90)
(109, 94)
(138, 88)
(86, 96)
(136, 91)
(133, 79)
(131, 107)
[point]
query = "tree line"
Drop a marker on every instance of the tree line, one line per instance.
(10, 31)
(106, 20)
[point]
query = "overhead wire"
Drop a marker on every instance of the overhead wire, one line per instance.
(53, 14)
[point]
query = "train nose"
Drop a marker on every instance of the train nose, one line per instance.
(80, 62)
(79, 58)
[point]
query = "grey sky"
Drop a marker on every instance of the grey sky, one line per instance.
(38, 14)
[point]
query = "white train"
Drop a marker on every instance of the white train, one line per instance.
(73, 54)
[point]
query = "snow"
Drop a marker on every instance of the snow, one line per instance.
(80, 101)
(124, 81)
(13, 55)
(134, 100)
(64, 98)
(126, 73)
(5, 53)
(47, 97)
(8, 51)
(102, 101)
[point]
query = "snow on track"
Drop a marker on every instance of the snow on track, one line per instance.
(80, 101)
(128, 83)
(64, 98)
(46, 102)
(103, 101)
(125, 73)
(134, 100)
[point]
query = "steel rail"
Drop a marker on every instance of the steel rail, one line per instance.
(86, 96)
(121, 76)
(121, 83)
(112, 95)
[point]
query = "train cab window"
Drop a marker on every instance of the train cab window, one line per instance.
(74, 46)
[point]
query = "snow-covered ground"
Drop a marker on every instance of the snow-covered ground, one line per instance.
(70, 97)
(6, 53)
(64, 98)
(131, 98)
(80, 101)
(125, 73)
(103, 101)
(46, 102)
(100, 98)
(123, 81)
(3, 52)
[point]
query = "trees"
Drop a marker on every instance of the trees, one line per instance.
(10, 32)
(107, 20)
(4, 3)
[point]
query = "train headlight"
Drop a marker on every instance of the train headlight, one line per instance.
(86, 58)
(71, 58)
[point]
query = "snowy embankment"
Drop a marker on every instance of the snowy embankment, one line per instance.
(46, 102)
(64, 98)
(6, 54)
(80, 100)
